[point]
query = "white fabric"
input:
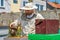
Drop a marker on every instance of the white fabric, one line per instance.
(29, 6)
(30, 16)
(29, 26)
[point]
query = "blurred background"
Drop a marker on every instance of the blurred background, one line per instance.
(9, 11)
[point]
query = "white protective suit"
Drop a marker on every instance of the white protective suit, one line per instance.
(28, 24)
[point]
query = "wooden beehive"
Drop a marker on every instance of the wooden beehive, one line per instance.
(46, 26)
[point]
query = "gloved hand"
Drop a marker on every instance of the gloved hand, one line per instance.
(14, 24)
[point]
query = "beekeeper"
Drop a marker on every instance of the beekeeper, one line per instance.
(27, 19)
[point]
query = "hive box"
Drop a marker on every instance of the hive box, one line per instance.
(44, 37)
(46, 26)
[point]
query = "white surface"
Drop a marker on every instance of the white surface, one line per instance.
(2, 38)
(6, 6)
(3, 31)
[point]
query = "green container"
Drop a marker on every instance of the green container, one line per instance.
(44, 37)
